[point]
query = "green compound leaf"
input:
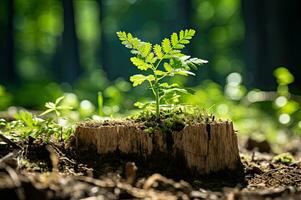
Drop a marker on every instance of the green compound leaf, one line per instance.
(160, 73)
(140, 64)
(128, 40)
(181, 90)
(189, 62)
(138, 79)
(166, 46)
(167, 67)
(137, 46)
(174, 39)
(158, 51)
(145, 49)
(183, 72)
(167, 85)
(151, 58)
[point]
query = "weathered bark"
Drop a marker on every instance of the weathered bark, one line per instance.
(203, 147)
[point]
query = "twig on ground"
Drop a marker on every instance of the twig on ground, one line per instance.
(9, 156)
(62, 156)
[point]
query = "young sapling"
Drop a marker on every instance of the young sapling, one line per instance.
(159, 62)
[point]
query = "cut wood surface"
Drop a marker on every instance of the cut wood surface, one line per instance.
(204, 147)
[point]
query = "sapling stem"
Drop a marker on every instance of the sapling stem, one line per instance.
(157, 102)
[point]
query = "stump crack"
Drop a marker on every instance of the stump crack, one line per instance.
(208, 129)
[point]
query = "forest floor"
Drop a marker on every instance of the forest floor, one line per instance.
(33, 170)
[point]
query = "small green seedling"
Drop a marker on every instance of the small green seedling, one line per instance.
(159, 62)
(100, 103)
(284, 158)
(27, 124)
(55, 107)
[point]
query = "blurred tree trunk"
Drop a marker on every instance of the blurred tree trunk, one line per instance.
(103, 41)
(7, 65)
(188, 22)
(188, 17)
(187, 10)
(273, 29)
(70, 69)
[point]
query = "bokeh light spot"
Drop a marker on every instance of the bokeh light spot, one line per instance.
(284, 118)
(281, 101)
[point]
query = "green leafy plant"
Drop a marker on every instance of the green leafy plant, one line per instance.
(56, 107)
(27, 124)
(284, 158)
(160, 62)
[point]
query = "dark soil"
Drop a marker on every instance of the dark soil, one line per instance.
(35, 170)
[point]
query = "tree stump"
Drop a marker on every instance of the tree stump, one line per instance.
(201, 147)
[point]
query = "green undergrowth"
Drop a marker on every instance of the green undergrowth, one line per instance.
(27, 125)
(172, 117)
(53, 127)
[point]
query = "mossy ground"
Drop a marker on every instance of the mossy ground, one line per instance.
(172, 118)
